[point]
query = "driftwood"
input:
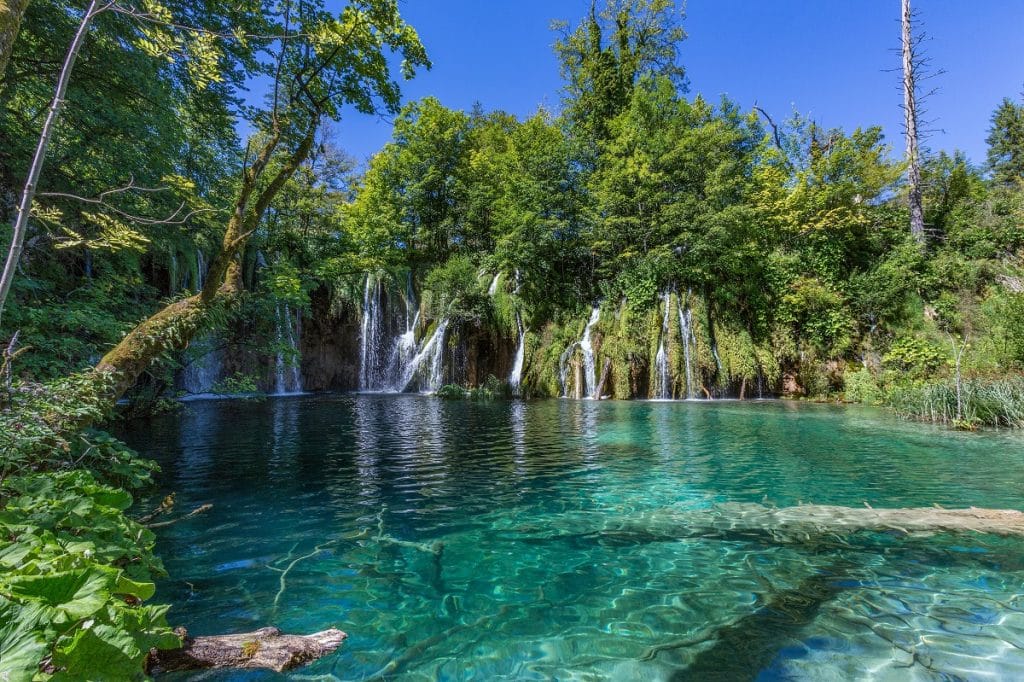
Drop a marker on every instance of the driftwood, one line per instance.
(810, 520)
(265, 648)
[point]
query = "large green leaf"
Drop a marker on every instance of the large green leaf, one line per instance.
(98, 652)
(142, 590)
(22, 642)
(72, 594)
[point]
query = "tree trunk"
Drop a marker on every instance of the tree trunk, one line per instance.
(806, 521)
(11, 12)
(910, 124)
(173, 327)
(265, 648)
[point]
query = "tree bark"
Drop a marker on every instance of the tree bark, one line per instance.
(11, 12)
(265, 648)
(805, 521)
(910, 124)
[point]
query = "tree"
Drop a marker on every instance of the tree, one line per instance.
(1006, 142)
(11, 12)
(29, 192)
(334, 60)
(608, 53)
(911, 68)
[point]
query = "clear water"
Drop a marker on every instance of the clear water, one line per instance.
(460, 540)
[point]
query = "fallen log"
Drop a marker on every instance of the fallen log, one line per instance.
(810, 520)
(264, 648)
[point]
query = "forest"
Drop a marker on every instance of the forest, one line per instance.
(185, 236)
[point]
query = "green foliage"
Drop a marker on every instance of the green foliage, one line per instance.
(861, 387)
(74, 569)
(983, 402)
(237, 384)
(454, 291)
(491, 389)
(1006, 142)
(914, 357)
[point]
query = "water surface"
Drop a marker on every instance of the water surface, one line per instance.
(461, 540)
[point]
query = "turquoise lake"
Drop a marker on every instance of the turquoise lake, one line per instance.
(461, 540)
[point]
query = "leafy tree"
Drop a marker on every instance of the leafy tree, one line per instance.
(610, 51)
(342, 61)
(1006, 142)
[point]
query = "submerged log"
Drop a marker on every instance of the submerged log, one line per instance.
(809, 520)
(265, 648)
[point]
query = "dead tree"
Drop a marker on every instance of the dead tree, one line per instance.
(910, 123)
(915, 71)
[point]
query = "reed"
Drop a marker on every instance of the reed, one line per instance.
(983, 402)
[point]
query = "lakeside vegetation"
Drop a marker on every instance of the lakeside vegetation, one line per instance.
(155, 224)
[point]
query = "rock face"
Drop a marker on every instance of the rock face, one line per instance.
(475, 353)
(330, 346)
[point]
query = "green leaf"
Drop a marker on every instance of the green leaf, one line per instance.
(142, 590)
(22, 644)
(73, 594)
(98, 652)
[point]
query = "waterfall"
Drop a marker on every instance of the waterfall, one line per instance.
(516, 377)
(664, 388)
(493, 289)
(689, 341)
(204, 368)
(172, 272)
(369, 338)
(287, 376)
(387, 344)
(589, 368)
(431, 358)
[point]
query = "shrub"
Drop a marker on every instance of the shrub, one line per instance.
(74, 569)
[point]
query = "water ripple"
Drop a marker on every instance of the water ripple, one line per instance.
(457, 540)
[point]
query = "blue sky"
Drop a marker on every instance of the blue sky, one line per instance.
(825, 58)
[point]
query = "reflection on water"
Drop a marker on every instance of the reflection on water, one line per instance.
(460, 540)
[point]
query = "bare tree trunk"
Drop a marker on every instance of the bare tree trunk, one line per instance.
(29, 191)
(11, 12)
(910, 124)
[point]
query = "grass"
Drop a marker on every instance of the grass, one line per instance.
(983, 402)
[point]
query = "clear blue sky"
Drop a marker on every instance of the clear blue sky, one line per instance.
(826, 58)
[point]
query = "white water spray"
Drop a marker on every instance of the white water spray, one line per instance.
(586, 345)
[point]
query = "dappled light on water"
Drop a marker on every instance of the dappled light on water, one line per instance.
(462, 540)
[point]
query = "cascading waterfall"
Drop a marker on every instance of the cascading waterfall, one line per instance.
(493, 289)
(516, 377)
(663, 390)
(206, 366)
(370, 337)
(387, 344)
(589, 367)
(431, 358)
(287, 376)
(204, 369)
(200, 270)
(689, 341)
